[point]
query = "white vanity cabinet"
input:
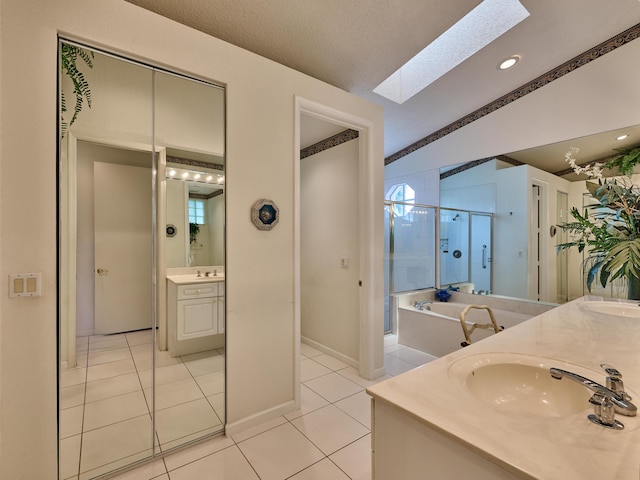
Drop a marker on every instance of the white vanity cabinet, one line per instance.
(195, 317)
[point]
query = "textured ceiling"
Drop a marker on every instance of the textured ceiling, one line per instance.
(356, 45)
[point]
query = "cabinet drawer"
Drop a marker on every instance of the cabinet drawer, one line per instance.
(199, 290)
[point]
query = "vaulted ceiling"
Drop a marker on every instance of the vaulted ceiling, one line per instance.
(356, 45)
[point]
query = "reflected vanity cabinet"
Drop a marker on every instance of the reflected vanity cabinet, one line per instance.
(195, 317)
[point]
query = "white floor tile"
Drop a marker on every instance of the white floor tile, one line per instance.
(139, 338)
(353, 375)
(390, 339)
(114, 409)
(217, 402)
(112, 387)
(213, 362)
(72, 396)
(357, 406)
(308, 351)
(186, 421)
(105, 356)
(70, 456)
(227, 464)
(71, 421)
(107, 342)
(166, 374)
(155, 470)
(333, 387)
(73, 376)
(211, 383)
(197, 452)
(395, 366)
(330, 362)
(323, 470)
(111, 369)
(171, 394)
(128, 441)
(309, 402)
(280, 452)
(258, 429)
(330, 429)
(393, 347)
(143, 357)
(413, 356)
(355, 459)
(310, 369)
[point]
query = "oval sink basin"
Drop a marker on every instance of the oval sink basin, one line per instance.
(522, 384)
(620, 309)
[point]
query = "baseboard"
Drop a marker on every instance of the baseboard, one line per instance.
(236, 427)
(329, 351)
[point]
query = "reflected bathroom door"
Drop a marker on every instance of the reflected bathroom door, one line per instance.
(123, 233)
(481, 252)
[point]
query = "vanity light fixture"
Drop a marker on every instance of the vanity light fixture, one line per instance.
(509, 62)
(209, 178)
(172, 173)
(196, 176)
(185, 174)
(622, 137)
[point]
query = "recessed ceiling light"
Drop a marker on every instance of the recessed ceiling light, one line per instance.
(477, 29)
(509, 62)
(185, 174)
(172, 173)
(622, 137)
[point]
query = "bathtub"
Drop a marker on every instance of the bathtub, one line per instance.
(438, 331)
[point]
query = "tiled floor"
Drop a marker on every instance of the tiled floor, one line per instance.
(106, 400)
(327, 439)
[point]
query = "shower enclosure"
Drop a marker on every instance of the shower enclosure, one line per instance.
(431, 247)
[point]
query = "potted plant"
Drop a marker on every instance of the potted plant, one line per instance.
(608, 230)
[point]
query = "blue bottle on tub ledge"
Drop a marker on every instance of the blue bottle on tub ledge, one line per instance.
(443, 295)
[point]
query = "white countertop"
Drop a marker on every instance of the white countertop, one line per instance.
(571, 447)
(193, 278)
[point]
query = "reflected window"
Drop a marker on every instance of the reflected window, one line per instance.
(196, 211)
(404, 194)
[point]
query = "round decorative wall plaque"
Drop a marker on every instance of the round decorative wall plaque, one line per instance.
(265, 214)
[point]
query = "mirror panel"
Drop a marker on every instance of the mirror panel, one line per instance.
(106, 319)
(503, 187)
(116, 380)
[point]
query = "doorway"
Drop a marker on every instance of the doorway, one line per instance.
(370, 320)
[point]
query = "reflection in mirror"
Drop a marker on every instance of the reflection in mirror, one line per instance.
(526, 193)
(116, 380)
(195, 210)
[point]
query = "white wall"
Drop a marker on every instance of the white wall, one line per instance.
(329, 231)
(176, 194)
(260, 153)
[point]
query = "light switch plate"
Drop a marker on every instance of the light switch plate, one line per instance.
(25, 285)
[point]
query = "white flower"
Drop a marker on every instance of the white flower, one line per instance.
(592, 171)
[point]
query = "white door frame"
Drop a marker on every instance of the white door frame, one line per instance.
(367, 321)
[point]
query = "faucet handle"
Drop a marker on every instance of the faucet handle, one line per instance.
(611, 371)
(603, 411)
(614, 381)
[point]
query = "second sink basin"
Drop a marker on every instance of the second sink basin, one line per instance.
(522, 384)
(619, 309)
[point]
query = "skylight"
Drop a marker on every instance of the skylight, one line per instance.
(474, 31)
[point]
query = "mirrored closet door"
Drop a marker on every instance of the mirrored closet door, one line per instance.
(141, 272)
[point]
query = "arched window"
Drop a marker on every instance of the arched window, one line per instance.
(402, 193)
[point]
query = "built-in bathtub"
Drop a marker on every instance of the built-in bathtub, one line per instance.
(438, 331)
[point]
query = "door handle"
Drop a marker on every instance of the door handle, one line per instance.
(102, 272)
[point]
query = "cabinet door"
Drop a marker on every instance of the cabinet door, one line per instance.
(197, 318)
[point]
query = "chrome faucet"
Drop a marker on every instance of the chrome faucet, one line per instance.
(420, 305)
(606, 402)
